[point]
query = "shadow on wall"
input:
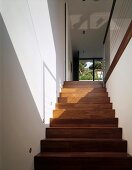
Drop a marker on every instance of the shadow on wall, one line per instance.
(58, 29)
(22, 126)
(49, 93)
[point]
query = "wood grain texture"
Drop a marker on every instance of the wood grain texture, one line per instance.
(91, 122)
(83, 90)
(87, 100)
(83, 106)
(83, 145)
(75, 114)
(82, 84)
(103, 94)
(83, 133)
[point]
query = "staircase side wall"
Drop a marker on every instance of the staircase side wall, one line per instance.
(32, 75)
(0, 98)
(120, 21)
(119, 87)
(22, 126)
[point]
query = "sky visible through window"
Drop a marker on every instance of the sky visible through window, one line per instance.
(89, 63)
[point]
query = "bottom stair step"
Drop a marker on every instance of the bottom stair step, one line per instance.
(83, 161)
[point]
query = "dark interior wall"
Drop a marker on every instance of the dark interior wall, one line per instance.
(76, 66)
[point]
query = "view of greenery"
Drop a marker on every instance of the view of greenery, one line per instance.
(86, 73)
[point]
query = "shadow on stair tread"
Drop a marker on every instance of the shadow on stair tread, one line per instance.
(83, 133)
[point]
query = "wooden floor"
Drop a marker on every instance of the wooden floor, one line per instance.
(84, 132)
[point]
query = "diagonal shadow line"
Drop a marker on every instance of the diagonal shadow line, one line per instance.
(49, 71)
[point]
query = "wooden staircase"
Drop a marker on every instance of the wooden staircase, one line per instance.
(83, 133)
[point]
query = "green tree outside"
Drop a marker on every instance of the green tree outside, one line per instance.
(86, 73)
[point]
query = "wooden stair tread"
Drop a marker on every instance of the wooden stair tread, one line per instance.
(83, 106)
(85, 120)
(83, 145)
(83, 111)
(86, 132)
(83, 139)
(104, 94)
(85, 128)
(84, 100)
(83, 132)
(85, 154)
(83, 90)
(87, 97)
(71, 109)
(83, 83)
(90, 88)
(79, 113)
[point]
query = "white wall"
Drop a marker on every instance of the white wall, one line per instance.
(69, 61)
(119, 24)
(57, 17)
(119, 87)
(0, 4)
(0, 96)
(107, 54)
(33, 73)
(119, 84)
(120, 21)
(30, 27)
(22, 126)
(48, 22)
(19, 24)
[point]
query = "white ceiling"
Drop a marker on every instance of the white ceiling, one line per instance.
(91, 16)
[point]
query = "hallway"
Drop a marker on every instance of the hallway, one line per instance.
(79, 123)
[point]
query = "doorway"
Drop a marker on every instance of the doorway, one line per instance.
(91, 69)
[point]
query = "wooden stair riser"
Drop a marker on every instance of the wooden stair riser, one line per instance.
(83, 84)
(83, 145)
(83, 90)
(79, 111)
(82, 115)
(109, 133)
(92, 83)
(84, 94)
(84, 122)
(83, 133)
(77, 163)
(84, 100)
(83, 106)
(80, 86)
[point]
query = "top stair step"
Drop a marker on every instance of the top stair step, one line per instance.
(68, 84)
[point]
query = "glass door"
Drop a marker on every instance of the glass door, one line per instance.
(85, 70)
(91, 69)
(98, 69)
